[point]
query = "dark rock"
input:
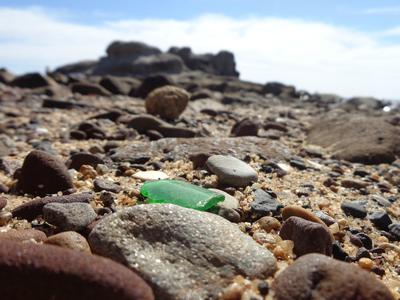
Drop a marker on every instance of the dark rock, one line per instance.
(229, 214)
(75, 68)
(31, 81)
(362, 253)
(381, 200)
(143, 123)
(275, 126)
(88, 88)
(264, 204)
(198, 159)
(394, 229)
(316, 276)
(328, 220)
(110, 115)
(115, 85)
(29, 271)
(149, 84)
(279, 89)
(77, 135)
(338, 252)
(176, 132)
(33, 208)
(354, 183)
(365, 240)
(43, 173)
(380, 219)
(245, 127)
(61, 104)
(360, 172)
(154, 135)
(69, 216)
(368, 140)
(354, 208)
(106, 185)
(298, 164)
(78, 159)
(307, 236)
(92, 131)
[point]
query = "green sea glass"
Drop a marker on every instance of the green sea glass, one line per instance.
(180, 193)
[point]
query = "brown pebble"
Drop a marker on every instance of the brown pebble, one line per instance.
(315, 276)
(71, 240)
(307, 236)
(298, 211)
(42, 174)
(3, 202)
(5, 217)
(23, 235)
(354, 183)
(268, 224)
(37, 272)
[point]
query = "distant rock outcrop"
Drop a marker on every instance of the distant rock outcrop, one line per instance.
(141, 60)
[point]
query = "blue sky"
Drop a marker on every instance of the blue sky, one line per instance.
(346, 47)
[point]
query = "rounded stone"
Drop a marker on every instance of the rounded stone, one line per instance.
(298, 211)
(43, 173)
(168, 102)
(178, 249)
(30, 271)
(231, 171)
(70, 240)
(69, 216)
(23, 235)
(316, 276)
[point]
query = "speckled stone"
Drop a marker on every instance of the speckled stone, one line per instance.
(316, 276)
(182, 253)
(69, 216)
(231, 171)
(43, 272)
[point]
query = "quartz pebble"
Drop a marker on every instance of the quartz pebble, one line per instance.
(150, 175)
(231, 171)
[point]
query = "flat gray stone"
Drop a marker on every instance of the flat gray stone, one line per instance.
(69, 216)
(231, 171)
(182, 253)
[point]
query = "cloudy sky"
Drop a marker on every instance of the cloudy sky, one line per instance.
(348, 47)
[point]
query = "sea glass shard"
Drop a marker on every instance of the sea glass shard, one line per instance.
(180, 193)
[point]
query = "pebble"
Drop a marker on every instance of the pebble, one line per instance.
(381, 200)
(23, 235)
(100, 184)
(307, 236)
(315, 276)
(33, 208)
(5, 217)
(229, 202)
(168, 102)
(268, 224)
(43, 173)
(150, 175)
(229, 214)
(178, 249)
(68, 275)
(245, 127)
(3, 202)
(354, 208)
(328, 220)
(264, 204)
(70, 240)
(380, 219)
(69, 216)
(79, 159)
(394, 229)
(354, 183)
(298, 211)
(231, 171)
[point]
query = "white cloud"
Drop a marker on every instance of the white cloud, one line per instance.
(311, 55)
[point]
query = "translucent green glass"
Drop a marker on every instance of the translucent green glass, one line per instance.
(180, 193)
